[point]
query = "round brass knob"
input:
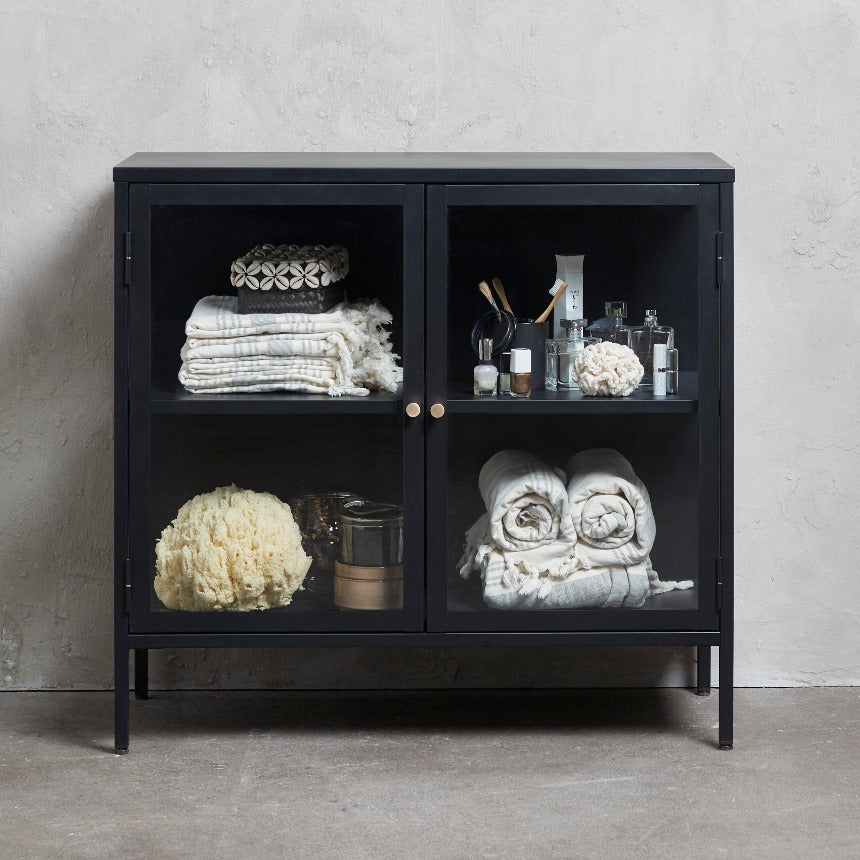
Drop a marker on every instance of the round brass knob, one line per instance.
(413, 410)
(437, 410)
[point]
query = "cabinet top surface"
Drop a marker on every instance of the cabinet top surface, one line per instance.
(424, 167)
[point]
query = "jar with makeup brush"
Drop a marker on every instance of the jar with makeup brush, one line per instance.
(532, 335)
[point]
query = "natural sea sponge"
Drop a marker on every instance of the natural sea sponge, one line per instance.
(608, 370)
(230, 549)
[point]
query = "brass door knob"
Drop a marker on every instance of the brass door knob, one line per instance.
(413, 410)
(437, 410)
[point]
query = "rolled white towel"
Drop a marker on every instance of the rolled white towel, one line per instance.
(612, 516)
(610, 509)
(526, 501)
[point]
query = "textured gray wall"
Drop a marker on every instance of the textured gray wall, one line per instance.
(770, 86)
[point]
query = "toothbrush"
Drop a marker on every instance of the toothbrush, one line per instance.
(556, 291)
(500, 290)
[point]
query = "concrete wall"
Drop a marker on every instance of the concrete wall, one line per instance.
(770, 86)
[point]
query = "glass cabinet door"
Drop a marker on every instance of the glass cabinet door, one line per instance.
(274, 511)
(553, 541)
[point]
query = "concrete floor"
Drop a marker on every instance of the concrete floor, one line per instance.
(632, 773)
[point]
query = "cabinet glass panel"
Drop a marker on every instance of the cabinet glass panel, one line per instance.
(259, 520)
(566, 540)
(645, 256)
(528, 558)
(267, 483)
(193, 248)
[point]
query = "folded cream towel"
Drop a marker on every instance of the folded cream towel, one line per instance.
(346, 351)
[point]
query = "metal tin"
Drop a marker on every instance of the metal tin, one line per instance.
(363, 587)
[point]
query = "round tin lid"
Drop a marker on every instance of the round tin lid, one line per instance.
(365, 513)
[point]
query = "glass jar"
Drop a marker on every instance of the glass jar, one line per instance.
(318, 518)
(561, 354)
(369, 573)
(371, 534)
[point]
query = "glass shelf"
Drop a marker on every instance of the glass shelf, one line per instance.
(177, 400)
(564, 402)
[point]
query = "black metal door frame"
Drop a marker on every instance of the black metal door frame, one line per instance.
(563, 622)
(141, 619)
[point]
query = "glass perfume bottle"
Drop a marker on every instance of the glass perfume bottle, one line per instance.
(611, 327)
(643, 340)
(561, 354)
(486, 373)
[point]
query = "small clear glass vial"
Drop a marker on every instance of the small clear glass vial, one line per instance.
(521, 372)
(618, 332)
(561, 355)
(486, 373)
(505, 373)
(645, 337)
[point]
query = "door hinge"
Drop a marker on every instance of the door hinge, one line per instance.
(719, 260)
(128, 259)
(127, 588)
(719, 567)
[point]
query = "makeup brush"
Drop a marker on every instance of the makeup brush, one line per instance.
(500, 290)
(556, 291)
(484, 287)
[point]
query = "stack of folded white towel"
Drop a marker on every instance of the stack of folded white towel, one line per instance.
(345, 351)
(553, 540)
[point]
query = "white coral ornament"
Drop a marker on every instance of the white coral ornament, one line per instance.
(608, 370)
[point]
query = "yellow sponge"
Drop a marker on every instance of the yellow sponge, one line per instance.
(230, 549)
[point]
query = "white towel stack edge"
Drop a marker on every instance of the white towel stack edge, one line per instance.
(345, 351)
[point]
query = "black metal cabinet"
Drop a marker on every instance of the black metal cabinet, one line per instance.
(422, 231)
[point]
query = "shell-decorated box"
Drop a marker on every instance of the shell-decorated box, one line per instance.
(290, 267)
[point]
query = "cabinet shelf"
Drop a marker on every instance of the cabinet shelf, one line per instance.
(180, 402)
(641, 401)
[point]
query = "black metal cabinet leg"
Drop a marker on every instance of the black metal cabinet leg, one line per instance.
(726, 695)
(120, 692)
(141, 673)
(703, 670)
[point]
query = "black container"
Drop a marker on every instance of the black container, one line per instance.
(533, 336)
(304, 301)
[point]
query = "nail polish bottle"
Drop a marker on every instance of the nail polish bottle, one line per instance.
(486, 373)
(505, 373)
(521, 372)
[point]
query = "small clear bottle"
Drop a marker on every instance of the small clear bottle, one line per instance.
(616, 332)
(561, 354)
(644, 338)
(505, 373)
(486, 373)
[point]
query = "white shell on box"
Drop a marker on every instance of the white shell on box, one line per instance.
(290, 267)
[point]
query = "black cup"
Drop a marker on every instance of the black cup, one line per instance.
(532, 335)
